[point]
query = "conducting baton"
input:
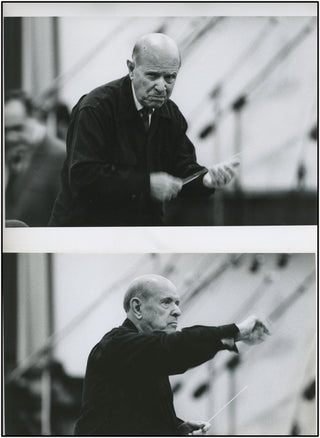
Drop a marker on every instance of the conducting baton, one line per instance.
(223, 407)
(193, 176)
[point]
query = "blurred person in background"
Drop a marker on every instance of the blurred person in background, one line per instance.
(127, 148)
(126, 387)
(33, 160)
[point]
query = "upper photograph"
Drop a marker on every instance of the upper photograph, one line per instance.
(185, 120)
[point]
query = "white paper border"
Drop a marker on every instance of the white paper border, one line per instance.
(144, 9)
(162, 239)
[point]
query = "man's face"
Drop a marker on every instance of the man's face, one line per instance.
(15, 123)
(160, 310)
(153, 77)
(17, 137)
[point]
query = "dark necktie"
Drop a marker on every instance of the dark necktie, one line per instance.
(144, 114)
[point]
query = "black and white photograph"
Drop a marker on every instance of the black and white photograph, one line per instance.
(186, 116)
(92, 339)
(160, 218)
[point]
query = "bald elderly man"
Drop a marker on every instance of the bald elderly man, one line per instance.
(126, 387)
(127, 148)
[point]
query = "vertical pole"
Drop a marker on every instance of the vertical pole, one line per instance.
(46, 399)
(238, 106)
(218, 203)
(54, 97)
(232, 367)
(56, 52)
(210, 404)
(50, 293)
(12, 52)
(232, 406)
(239, 210)
(46, 378)
(9, 339)
(217, 108)
(237, 145)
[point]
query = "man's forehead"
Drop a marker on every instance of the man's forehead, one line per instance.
(173, 295)
(159, 59)
(164, 68)
(163, 291)
(15, 110)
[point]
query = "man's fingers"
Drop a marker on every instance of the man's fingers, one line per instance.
(222, 176)
(263, 326)
(199, 426)
(234, 163)
(164, 186)
(259, 333)
(213, 171)
(176, 184)
(174, 187)
(230, 170)
(253, 330)
(222, 173)
(206, 426)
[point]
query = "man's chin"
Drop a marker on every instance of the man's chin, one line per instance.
(156, 102)
(171, 328)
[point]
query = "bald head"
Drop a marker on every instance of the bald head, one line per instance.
(144, 286)
(151, 303)
(155, 43)
(154, 69)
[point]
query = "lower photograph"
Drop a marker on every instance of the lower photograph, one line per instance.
(159, 344)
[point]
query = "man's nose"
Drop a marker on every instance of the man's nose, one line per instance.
(160, 85)
(176, 311)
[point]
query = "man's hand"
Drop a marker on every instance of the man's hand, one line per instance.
(252, 331)
(163, 186)
(220, 174)
(198, 427)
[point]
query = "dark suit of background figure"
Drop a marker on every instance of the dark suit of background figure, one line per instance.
(126, 388)
(30, 194)
(105, 179)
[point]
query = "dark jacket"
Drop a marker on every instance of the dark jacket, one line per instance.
(126, 387)
(105, 178)
(30, 195)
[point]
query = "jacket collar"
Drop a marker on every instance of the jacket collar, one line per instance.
(128, 108)
(129, 324)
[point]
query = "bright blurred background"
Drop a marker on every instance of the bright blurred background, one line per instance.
(247, 85)
(56, 307)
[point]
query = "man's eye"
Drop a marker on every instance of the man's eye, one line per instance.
(152, 75)
(15, 128)
(170, 78)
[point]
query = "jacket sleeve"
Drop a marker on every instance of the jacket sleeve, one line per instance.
(92, 171)
(186, 162)
(164, 353)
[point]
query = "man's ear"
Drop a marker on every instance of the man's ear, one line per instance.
(130, 66)
(135, 304)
